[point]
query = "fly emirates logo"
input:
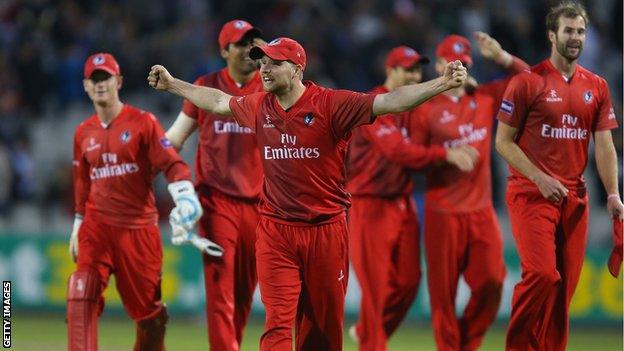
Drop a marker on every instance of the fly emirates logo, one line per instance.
(468, 135)
(111, 168)
(222, 127)
(289, 150)
(568, 130)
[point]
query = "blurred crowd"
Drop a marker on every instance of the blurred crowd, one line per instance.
(43, 45)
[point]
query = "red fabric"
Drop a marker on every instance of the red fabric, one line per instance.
(230, 280)
(303, 273)
(468, 244)
(455, 47)
(551, 240)
(114, 167)
(405, 57)
(101, 62)
(281, 49)
(615, 259)
(235, 30)
(227, 157)
(303, 150)
(379, 154)
(133, 255)
(83, 310)
(556, 119)
(384, 247)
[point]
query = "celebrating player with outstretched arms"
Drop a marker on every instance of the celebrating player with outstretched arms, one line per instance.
(117, 152)
(548, 115)
(302, 131)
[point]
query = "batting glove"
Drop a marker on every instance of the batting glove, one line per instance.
(188, 209)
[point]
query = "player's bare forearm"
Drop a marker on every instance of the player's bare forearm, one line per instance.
(210, 99)
(408, 96)
(606, 161)
(511, 152)
(180, 130)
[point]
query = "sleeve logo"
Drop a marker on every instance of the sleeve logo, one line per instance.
(165, 143)
(507, 107)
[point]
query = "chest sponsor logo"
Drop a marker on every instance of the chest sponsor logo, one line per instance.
(267, 122)
(223, 127)
(112, 168)
(588, 96)
(567, 130)
(289, 150)
(93, 145)
(125, 136)
(383, 130)
(468, 135)
(447, 117)
(553, 97)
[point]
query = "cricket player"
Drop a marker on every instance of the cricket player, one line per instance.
(117, 152)
(548, 115)
(229, 180)
(302, 131)
(384, 241)
(462, 234)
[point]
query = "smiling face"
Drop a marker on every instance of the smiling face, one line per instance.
(102, 87)
(237, 55)
(278, 76)
(569, 38)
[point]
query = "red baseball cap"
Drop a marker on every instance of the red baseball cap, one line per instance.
(235, 30)
(101, 62)
(405, 57)
(281, 49)
(455, 47)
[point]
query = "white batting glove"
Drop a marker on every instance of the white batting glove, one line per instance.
(180, 236)
(73, 239)
(188, 210)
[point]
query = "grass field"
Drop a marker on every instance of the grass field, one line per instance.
(35, 333)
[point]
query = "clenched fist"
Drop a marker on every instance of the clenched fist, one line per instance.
(159, 78)
(455, 74)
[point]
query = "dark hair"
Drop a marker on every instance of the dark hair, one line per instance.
(567, 9)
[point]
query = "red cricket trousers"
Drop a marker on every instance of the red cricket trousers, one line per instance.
(385, 253)
(470, 244)
(302, 273)
(551, 241)
(229, 280)
(134, 256)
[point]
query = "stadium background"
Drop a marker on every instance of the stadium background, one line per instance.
(43, 45)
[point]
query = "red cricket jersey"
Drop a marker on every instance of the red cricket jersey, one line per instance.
(379, 154)
(114, 167)
(227, 157)
(303, 150)
(555, 119)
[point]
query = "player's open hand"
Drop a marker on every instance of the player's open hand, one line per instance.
(464, 157)
(488, 46)
(615, 207)
(455, 74)
(551, 188)
(159, 78)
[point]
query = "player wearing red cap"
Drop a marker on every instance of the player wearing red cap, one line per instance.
(548, 115)
(117, 152)
(302, 131)
(462, 235)
(229, 179)
(383, 227)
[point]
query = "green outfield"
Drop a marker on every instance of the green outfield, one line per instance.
(34, 333)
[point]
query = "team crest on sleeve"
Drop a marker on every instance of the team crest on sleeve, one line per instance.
(165, 143)
(308, 119)
(507, 107)
(587, 96)
(125, 136)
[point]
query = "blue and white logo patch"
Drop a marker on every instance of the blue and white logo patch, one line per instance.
(308, 119)
(125, 136)
(507, 107)
(98, 60)
(165, 143)
(587, 96)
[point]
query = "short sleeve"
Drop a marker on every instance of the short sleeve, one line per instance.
(187, 107)
(245, 109)
(514, 104)
(348, 109)
(606, 115)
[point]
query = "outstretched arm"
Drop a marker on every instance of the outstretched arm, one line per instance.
(408, 96)
(210, 99)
